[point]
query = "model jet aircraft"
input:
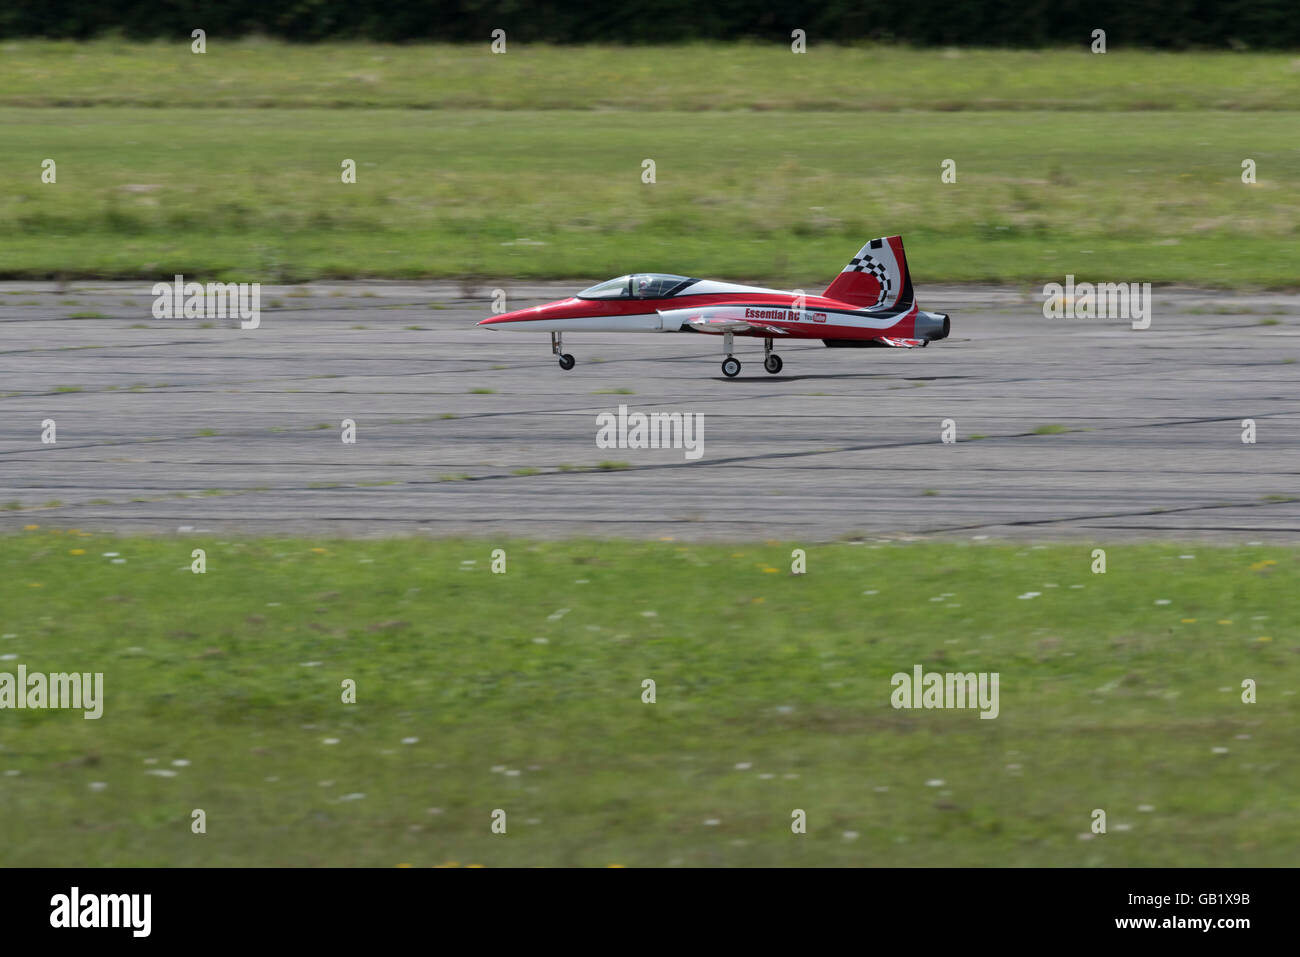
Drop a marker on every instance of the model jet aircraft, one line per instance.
(870, 303)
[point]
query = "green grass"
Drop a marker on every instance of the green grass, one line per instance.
(772, 694)
(706, 77)
(254, 195)
(1117, 167)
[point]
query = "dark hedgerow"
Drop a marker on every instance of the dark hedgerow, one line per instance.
(1128, 23)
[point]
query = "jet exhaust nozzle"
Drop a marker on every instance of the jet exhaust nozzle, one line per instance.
(933, 325)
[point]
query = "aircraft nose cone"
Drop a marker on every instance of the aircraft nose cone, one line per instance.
(559, 309)
(509, 316)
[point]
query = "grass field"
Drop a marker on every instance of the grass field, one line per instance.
(522, 691)
(769, 166)
(256, 194)
(712, 77)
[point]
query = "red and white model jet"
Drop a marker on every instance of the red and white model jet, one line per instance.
(870, 303)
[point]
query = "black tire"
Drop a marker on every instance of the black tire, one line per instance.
(567, 362)
(773, 363)
(731, 367)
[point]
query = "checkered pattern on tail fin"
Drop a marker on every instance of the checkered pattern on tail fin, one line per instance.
(876, 278)
(868, 264)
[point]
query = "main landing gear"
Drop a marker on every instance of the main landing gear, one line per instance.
(567, 361)
(771, 361)
(731, 365)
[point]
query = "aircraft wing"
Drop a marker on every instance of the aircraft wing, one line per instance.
(719, 326)
(716, 321)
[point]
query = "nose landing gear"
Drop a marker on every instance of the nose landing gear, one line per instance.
(567, 361)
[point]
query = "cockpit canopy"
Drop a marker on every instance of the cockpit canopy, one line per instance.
(646, 285)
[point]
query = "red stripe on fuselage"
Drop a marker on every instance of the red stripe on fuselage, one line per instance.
(575, 308)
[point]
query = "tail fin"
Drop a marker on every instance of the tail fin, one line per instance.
(876, 277)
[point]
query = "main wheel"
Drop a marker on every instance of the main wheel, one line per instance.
(773, 363)
(566, 362)
(731, 367)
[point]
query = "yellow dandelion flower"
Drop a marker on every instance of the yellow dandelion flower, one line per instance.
(320, 551)
(30, 528)
(76, 551)
(1189, 621)
(1225, 621)
(1264, 638)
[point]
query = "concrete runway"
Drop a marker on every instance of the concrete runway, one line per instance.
(166, 426)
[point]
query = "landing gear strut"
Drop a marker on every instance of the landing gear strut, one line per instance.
(771, 361)
(557, 348)
(730, 365)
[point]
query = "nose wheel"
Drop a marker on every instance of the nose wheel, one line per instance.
(567, 361)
